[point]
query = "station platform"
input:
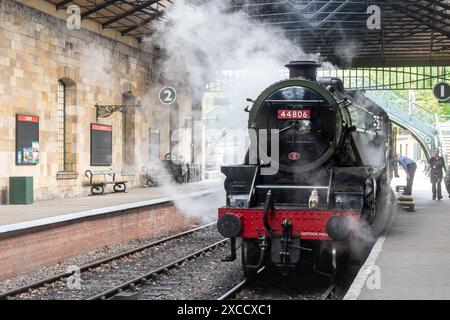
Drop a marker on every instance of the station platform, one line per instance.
(50, 231)
(411, 260)
(17, 217)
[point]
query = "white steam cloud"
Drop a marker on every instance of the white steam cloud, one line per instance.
(96, 65)
(201, 41)
(202, 208)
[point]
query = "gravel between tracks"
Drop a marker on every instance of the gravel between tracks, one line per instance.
(92, 256)
(205, 278)
(209, 278)
(300, 284)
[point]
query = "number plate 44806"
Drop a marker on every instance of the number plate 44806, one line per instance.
(294, 114)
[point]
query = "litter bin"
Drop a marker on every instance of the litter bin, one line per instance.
(21, 190)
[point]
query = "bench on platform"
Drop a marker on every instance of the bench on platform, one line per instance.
(108, 178)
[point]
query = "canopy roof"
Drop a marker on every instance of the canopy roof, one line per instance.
(413, 32)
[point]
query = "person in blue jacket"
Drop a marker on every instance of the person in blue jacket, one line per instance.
(410, 168)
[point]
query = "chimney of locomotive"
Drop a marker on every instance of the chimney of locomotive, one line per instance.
(303, 69)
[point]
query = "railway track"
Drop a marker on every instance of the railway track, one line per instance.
(235, 290)
(245, 284)
(156, 276)
(326, 295)
(232, 292)
(134, 284)
(92, 266)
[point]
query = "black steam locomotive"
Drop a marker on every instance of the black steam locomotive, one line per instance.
(315, 181)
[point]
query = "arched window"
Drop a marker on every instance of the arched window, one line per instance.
(67, 118)
(128, 130)
(61, 126)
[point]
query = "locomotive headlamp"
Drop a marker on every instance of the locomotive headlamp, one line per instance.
(314, 199)
(338, 228)
(229, 225)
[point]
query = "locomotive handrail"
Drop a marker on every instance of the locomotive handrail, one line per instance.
(295, 101)
(330, 184)
(280, 186)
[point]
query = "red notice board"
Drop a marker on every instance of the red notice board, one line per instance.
(101, 145)
(27, 140)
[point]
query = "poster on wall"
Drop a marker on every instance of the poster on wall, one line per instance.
(27, 140)
(101, 145)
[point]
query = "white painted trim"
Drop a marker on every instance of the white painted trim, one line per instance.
(97, 212)
(360, 281)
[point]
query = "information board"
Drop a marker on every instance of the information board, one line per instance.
(101, 145)
(27, 140)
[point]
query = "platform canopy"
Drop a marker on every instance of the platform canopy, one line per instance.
(413, 32)
(129, 17)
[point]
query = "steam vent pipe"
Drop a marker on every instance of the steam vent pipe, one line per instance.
(303, 69)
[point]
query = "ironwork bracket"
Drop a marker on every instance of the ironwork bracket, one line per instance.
(105, 111)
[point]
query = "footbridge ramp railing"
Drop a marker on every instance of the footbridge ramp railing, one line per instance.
(421, 123)
(409, 116)
(443, 125)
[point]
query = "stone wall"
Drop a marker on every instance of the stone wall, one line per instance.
(37, 51)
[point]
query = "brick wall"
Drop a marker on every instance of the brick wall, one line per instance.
(21, 253)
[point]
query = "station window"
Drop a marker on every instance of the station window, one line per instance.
(66, 124)
(61, 126)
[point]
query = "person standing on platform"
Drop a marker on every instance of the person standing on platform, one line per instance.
(410, 168)
(436, 166)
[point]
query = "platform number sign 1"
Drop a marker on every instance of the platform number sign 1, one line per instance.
(442, 91)
(167, 95)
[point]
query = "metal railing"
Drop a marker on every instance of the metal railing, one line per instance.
(409, 115)
(443, 128)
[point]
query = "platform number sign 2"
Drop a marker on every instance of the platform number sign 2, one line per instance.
(442, 91)
(167, 95)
